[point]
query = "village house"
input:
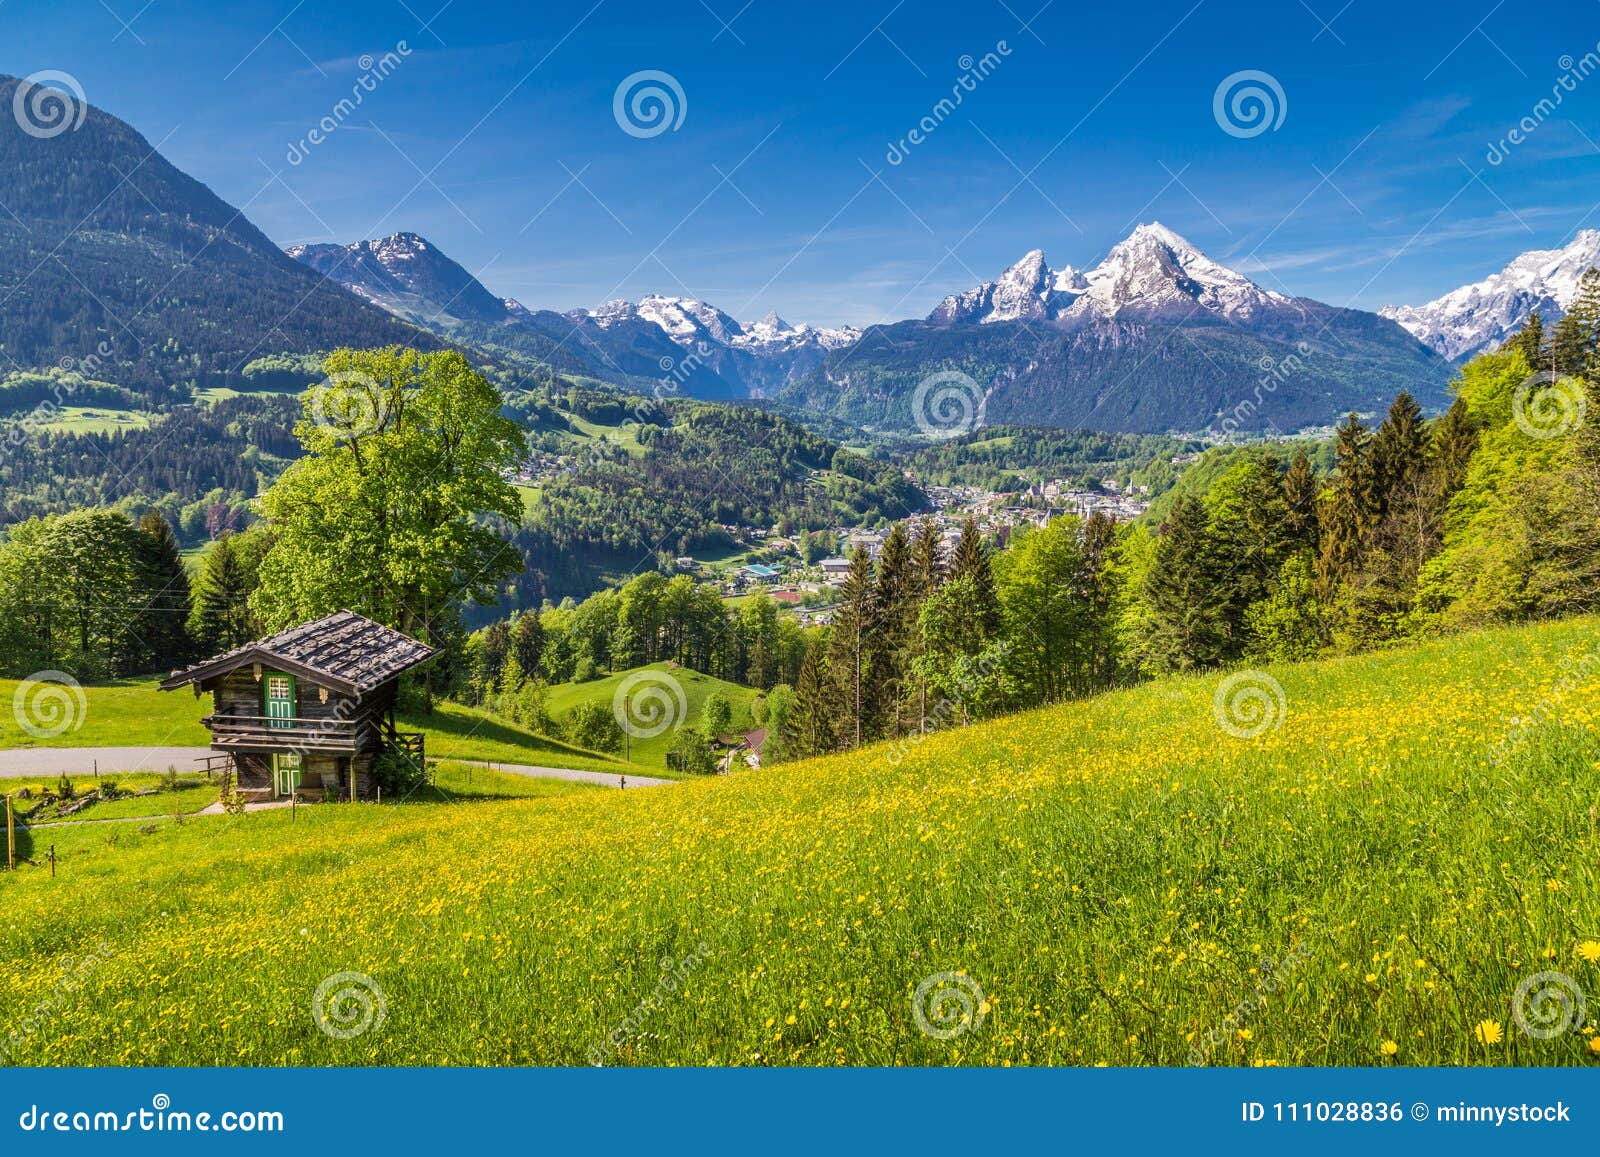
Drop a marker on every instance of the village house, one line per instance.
(307, 711)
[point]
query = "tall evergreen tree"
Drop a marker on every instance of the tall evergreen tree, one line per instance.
(527, 643)
(972, 562)
(1098, 585)
(1300, 488)
(1576, 343)
(927, 563)
(220, 618)
(1248, 532)
(1454, 438)
(1530, 340)
(896, 606)
(164, 632)
(850, 652)
(1348, 515)
(1187, 604)
(809, 727)
(1399, 451)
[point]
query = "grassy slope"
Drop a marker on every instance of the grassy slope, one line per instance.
(126, 713)
(193, 793)
(458, 732)
(697, 688)
(133, 713)
(1112, 873)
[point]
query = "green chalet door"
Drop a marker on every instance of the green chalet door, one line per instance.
(279, 692)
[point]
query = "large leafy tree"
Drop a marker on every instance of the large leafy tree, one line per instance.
(407, 457)
(74, 589)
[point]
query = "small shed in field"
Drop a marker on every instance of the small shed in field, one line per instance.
(308, 710)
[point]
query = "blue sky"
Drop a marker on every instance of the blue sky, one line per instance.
(494, 135)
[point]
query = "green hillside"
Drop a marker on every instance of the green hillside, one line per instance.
(696, 689)
(1363, 872)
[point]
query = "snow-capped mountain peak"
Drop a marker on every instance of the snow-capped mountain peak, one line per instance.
(406, 275)
(1476, 317)
(1152, 270)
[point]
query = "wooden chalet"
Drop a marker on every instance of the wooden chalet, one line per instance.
(307, 711)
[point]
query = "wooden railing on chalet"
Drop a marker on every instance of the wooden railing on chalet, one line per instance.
(244, 731)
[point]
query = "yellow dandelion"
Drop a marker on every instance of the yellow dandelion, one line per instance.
(1489, 1032)
(1590, 951)
(1594, 1044)
(1388, 1048)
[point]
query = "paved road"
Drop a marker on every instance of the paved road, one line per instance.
(603, 778)
(52, 761)
(29, 761)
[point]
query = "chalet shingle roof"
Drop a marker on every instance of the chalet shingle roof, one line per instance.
(344, 650)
